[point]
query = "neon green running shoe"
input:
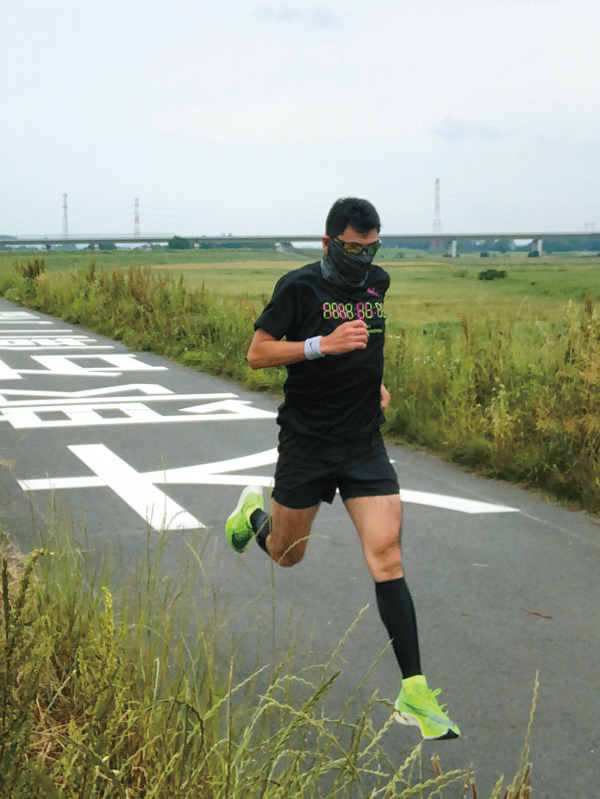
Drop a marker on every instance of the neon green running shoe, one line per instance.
(238, 528)
(417, 705)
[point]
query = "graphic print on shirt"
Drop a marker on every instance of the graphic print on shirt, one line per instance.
(347, 311)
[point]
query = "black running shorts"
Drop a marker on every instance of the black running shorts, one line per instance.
(309, 470)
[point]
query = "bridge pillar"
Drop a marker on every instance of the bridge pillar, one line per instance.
(537, 247)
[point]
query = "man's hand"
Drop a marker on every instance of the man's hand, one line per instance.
(346, 337)
(385, 398)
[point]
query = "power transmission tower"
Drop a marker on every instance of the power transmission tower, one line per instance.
(65, 218)
(136, 219)
(436, 242)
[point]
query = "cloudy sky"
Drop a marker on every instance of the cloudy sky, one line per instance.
(245, 116)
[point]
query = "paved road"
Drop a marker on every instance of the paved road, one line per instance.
(135, 438)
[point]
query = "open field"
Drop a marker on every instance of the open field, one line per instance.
(425, 290)
(430, 292)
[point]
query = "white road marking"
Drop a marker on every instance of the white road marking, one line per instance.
(59, 399)
(6, 373)
(67, 365)
(214, 473)
(453, 503)
(22, 344)
(87, 415)
(155, 507)
(17, 316)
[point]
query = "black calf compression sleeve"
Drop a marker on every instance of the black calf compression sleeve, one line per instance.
(398, 615)
(260, 524)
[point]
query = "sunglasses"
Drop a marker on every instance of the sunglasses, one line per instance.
(354, 248)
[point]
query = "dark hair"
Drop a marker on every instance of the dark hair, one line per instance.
(352, 212)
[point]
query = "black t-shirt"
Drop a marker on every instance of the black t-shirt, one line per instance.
(336, 397)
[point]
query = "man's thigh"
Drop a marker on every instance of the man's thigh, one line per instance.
(290, 529)
(378, 522)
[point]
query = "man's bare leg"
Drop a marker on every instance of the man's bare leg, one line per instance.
(288, 533)
(378, 522)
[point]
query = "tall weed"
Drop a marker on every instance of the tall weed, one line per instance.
(519, 402)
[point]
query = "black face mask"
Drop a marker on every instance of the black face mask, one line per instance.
(344, 268)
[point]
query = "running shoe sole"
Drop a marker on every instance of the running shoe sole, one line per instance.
(411, 720)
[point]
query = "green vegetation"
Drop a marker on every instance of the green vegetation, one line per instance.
(102, 245)
(500, 376)
(492, 274)
(157, 256)
(117, 688)
(179, 243)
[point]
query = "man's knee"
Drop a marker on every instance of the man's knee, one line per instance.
(288, 556)
(385, 561)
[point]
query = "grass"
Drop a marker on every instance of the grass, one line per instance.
(508, 387)
(113, 687)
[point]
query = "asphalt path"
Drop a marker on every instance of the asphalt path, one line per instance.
(505, 582)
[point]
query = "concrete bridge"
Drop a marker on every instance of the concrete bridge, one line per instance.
(446, 241)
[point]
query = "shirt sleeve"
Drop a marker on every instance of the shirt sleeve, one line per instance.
(279, 313)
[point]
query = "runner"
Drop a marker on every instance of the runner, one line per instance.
(330, 314)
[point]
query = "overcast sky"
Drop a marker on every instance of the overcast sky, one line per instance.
(248, 117)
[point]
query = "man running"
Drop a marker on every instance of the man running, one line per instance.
(330, 314)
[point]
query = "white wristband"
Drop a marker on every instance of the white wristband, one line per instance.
(312, 348)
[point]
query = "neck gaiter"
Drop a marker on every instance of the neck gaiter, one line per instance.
(343, 268)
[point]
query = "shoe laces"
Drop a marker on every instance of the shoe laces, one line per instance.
(435, 693)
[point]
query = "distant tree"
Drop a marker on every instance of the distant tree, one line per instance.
(102, 245)
(179, 243)
(501, 245)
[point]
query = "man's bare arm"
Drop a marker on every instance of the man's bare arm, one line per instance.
(266, 351)
(385, 398)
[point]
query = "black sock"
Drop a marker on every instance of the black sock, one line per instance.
(398, 615)
(260, 524)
